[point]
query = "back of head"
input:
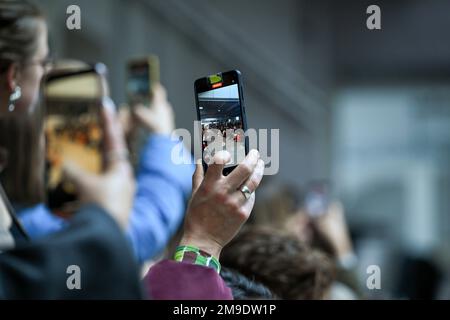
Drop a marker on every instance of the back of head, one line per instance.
(278, 204)
(289, 268)
(244, 288)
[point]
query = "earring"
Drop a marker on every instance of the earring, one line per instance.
(14, 97)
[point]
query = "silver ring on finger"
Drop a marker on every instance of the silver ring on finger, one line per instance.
(246, 192)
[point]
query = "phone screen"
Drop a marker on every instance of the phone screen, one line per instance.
(142, 74)
(223, 124)
(73, 133)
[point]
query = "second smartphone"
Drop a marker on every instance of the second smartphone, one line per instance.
(221, 112)
(73, 98)
(142, 73)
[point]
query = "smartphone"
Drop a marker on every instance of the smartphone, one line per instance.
(221, 112)
(142, 73)
(73, 129)
(317, 198)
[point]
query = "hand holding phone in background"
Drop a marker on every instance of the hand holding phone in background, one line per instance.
(333, 227)
(159, 118)
(114, 189)
(86, 152)
(147, 105)
(73, 95)
(327, 218)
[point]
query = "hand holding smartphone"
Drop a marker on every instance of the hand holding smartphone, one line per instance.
(221, 112)
(73, 129)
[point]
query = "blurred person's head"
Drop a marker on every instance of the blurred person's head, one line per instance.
(23, 55)
(244, 288)
(23, 63)
(280, 261)
(285, 209)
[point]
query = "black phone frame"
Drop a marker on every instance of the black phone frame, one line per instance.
(228, 78)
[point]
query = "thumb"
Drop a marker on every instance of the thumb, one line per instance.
(145, 116)
(82, 180)
(125, 119)
(197, 178)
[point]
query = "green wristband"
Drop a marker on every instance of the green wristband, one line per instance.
(196, 256)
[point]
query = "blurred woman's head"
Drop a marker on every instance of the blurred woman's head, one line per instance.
(280, 261)
(23, 56)
(283, 207)
(23, 63)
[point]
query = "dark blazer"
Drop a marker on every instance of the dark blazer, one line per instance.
(93, 242)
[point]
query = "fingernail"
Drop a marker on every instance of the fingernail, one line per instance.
(225, 156)
(254, 156)
(254, 153)
(108, 103)
(261, 166)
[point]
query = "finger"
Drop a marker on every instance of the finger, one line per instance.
(197, 178)
(114, 139)
(252, 183)
(145, 116)
(336, 208)
(82, 180)
(244, 170)
(125, 118)
(159, 93)
(248, 205)
(104, 87)
(220, 159)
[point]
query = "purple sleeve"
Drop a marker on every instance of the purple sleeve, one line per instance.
(171, 280)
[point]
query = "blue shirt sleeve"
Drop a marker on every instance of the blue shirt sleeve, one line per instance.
(38, 221)
(163, 188)
(164, 184)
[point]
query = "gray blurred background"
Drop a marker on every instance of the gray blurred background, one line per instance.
(369, 110)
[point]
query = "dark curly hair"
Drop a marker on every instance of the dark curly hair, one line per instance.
(244, 288)
(288, 267)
